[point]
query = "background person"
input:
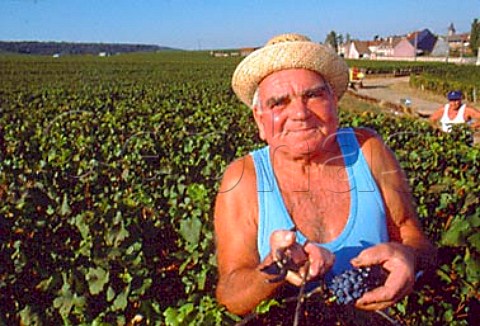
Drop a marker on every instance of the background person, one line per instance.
(342, 189)
(455, 112)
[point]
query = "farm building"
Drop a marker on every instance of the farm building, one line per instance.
(441, 48)
(385, 49)
(243, 52)
(411, 45)
(459, 42)
(416, 43)
(404, 49)
(246, 51)
(357, 50)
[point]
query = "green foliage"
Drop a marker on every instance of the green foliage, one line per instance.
(450, 77)
(108, 173)
(332, 40)
(464, 233)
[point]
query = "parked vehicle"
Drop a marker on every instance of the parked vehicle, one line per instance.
(356, 77)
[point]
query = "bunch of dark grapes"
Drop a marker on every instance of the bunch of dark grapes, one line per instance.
(352, 284)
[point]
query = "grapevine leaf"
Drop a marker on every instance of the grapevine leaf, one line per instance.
(265, 306)
(190, 229)
(28, 317)
(202, 279)
(455, 235)
(64, 304)
(82, 225)
(472, 268)
(110, 294)
(171, 316)
(475, 220)
(474, 240)
(120, 302)
(65, 208)
(96, 278)
(44, 284)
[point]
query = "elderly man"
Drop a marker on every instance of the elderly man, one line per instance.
(455, 112)
(336, 196)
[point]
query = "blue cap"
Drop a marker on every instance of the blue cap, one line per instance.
(454, 95)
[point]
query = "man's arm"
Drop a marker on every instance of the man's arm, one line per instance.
(473, 114)
(437, 115)
(409, 250)
(241, 286)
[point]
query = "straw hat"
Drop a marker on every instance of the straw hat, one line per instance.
(289, 51)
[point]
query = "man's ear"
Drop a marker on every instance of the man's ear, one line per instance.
(257, 115)
(335, 104)
(335, 100)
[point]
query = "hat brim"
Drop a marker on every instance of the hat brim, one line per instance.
(289, 55)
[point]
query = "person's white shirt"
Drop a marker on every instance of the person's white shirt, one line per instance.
(446, 122)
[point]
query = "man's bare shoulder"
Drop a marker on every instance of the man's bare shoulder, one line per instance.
(378, 155)
(239, 176)
(472, 110)
(236, 201)
(368, 137)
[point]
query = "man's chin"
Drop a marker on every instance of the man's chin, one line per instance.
(303, 145)
(301, 148)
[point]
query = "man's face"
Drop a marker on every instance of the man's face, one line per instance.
(297, 112)
(455, 104)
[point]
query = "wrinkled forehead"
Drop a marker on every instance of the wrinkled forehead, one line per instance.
(290, 81)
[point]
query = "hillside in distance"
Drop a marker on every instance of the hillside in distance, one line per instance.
(66, 48)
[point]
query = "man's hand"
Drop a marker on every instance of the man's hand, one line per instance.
(397, 259)
(320, 259)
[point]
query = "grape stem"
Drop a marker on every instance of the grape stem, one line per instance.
(301, 295)
(387, 317)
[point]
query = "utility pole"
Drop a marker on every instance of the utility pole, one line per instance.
(415, 43)
(448, 45)
(448, 50)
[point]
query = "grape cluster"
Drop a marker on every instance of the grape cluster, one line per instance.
(352, 284)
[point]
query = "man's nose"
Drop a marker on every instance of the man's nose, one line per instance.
(299, 109)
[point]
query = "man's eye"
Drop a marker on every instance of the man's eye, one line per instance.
(277, 104)
(319, 93)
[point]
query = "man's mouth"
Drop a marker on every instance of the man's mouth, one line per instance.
(305, 129)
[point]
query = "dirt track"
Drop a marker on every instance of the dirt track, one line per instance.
(395, 90)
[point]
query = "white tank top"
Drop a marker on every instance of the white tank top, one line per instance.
(446, 122)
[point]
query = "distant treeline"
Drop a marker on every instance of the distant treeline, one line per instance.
(63, 48)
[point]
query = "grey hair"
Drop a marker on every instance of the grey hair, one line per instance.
(256, 100)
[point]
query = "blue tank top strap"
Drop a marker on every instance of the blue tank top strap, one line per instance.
(273, 214)
(354, 157)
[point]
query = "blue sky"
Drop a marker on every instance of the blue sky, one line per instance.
(209, 24)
